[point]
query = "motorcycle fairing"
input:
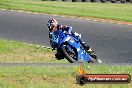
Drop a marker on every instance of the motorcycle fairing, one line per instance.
(82, 55)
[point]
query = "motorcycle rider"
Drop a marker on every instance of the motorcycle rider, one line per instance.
(53, 27)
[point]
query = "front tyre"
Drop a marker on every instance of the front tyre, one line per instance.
(70, 53)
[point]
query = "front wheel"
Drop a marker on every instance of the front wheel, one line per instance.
(70, 53)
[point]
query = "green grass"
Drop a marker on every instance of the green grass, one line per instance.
(14, 52)
(56, 77)
(47, 76)
(122, 12)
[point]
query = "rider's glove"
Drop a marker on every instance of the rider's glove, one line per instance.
(77, 35)
(50, 35)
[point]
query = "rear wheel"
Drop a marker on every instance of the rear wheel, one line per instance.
(70, 53)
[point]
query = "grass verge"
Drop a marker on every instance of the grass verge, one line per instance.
(16, 52)
(121, 12)
(56, 77)
(47, 76)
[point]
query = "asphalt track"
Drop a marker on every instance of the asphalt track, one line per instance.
(111, 42)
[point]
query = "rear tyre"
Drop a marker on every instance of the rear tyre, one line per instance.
(71, 56)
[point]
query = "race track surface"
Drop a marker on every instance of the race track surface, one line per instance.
(111, 42)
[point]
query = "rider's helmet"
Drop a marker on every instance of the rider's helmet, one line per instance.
(52, 25)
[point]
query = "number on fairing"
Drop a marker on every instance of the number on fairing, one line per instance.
(71, 40)
(68, 38)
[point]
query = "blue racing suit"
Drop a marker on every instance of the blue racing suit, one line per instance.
(53, 36)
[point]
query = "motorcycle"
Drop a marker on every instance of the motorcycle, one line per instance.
(69, 47)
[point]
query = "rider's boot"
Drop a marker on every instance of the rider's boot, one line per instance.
(92, 54)
(89, 50)
(86, 47)
(59, 56)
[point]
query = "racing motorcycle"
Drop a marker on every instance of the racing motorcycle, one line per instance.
(68, 46)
